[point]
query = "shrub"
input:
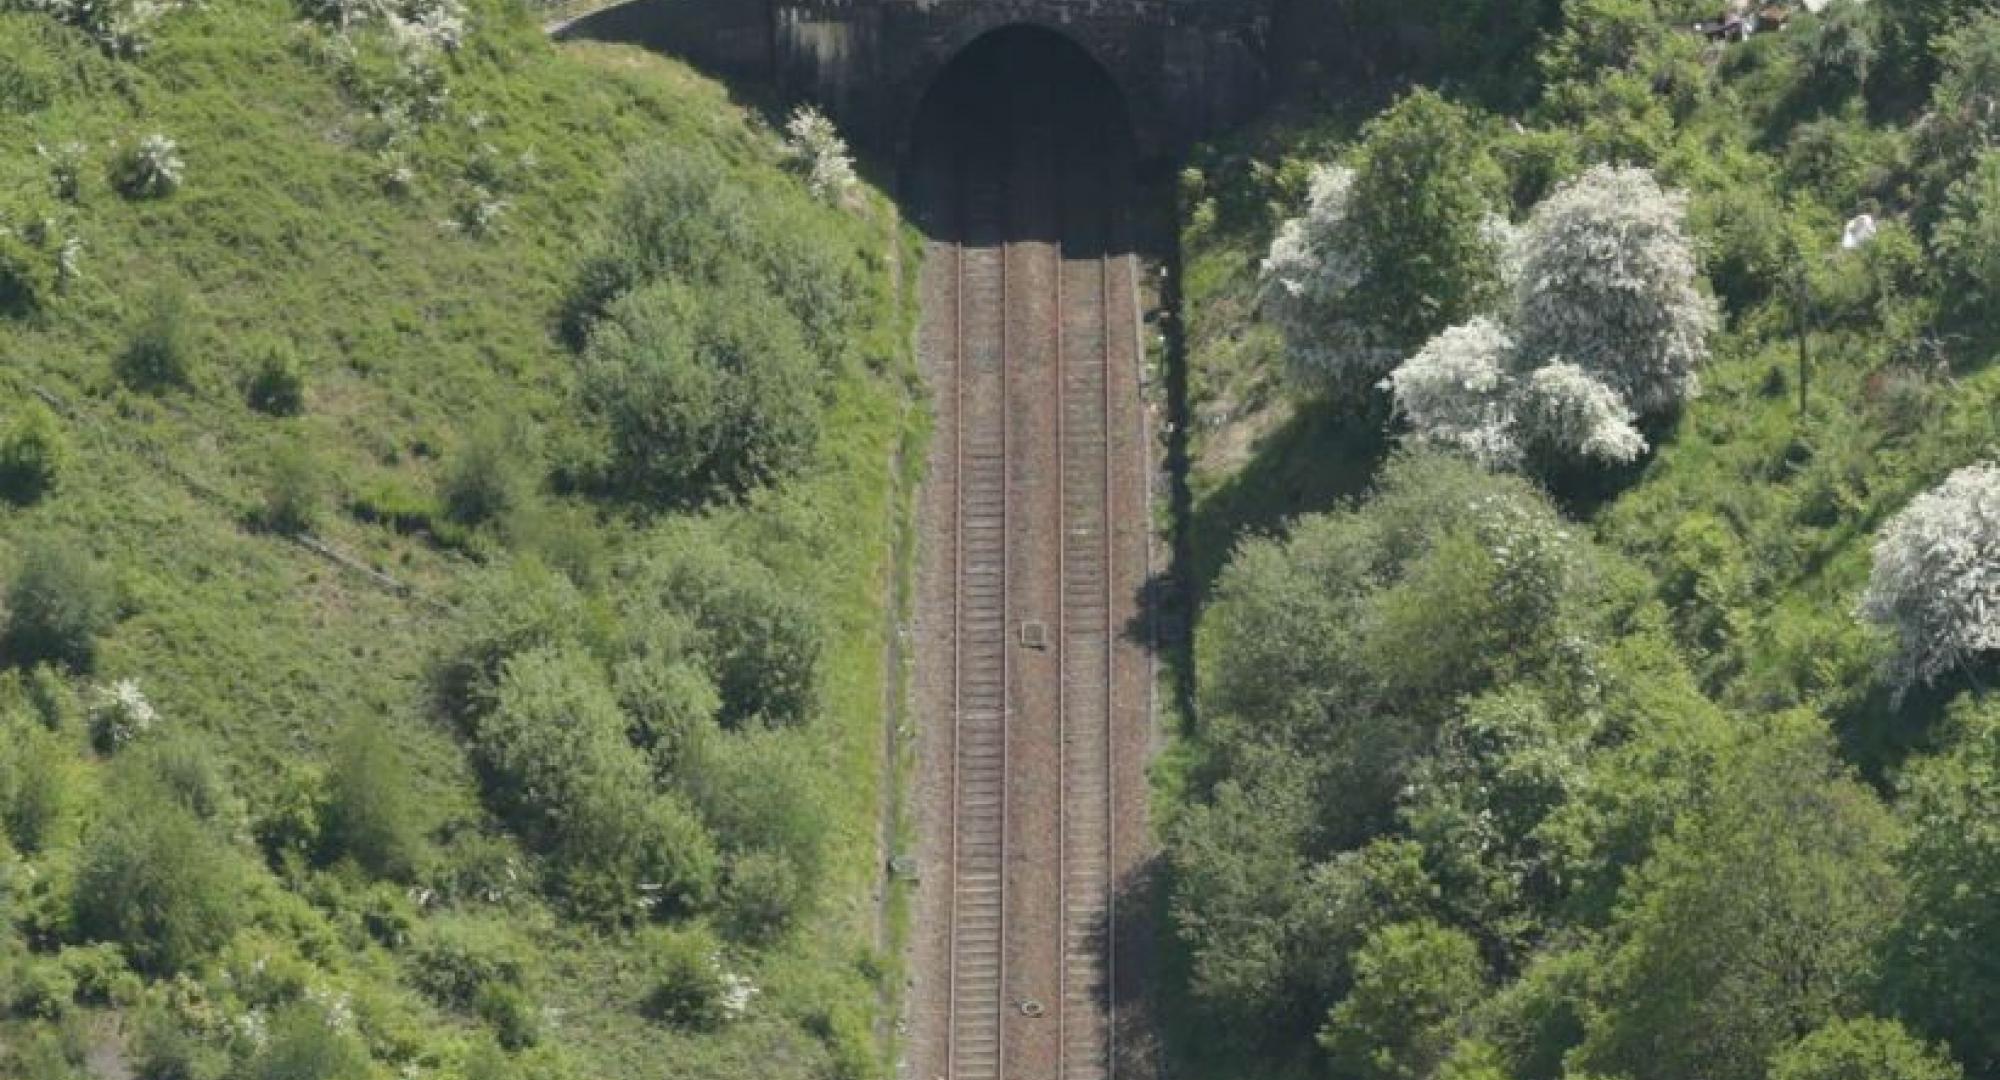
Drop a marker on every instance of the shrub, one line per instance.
(154, 879)
(277, 387)
(28, 259)
(159, 349)
(1967, 241)
(691, 989)
(516, 1019)
(760, 638)
(456, 956)
(819, 154)
(37, 796)
(304, 1043)
(375, 813)
(57, 605)
(1933, 584)
(32, 455)
(485, 479)
(687, 218)
(508, 610)
(560, 766)
(119, 714)
(294, 490)
(149, 169)
(704, 395)
(1608, 282)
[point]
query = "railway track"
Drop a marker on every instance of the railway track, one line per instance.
(981, 664)
(1030, 334)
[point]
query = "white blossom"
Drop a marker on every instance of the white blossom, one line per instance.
(815, 147)
(1315, 261)
(1564, 407)
(1936, 580)
(152, 168)
(737, 993)
(1607, 280)
(1456, 392)
(120, 713)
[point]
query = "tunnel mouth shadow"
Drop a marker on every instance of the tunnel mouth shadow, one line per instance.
(1013, 87)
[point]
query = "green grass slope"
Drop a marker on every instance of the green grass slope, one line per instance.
(402, 234)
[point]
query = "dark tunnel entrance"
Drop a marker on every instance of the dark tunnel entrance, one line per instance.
(1026, 120)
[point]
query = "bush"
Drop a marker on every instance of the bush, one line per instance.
(149, 169)
(485, 479)
(1967, 241)
(516, 1019)
(760, 638)
(155, 880)
(37, 796)
(705, 395)
(375, 813)
(306, 1044)
(32, 455)
(686, 218)
(819, 154)
(1933, 584)
(294, 490)
(119, 714)
(277, 387)
(560, 767)
(57, 604)
(159, 349)
(690, 988)
(508, 610)
(454, 956)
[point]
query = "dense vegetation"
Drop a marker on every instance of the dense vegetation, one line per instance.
(1592, 677)
(450, 487)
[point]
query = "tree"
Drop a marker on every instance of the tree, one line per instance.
(1608, 282)
(1940, 960)
(33, 453)
(1967, 241)
(1413, 985)
(157, 881)
(1862, 1049)
(1756, 920)
(57, 604)
(1390, 251)
(559, 765)
(704, 394)
(374, 812)
(1933, 585)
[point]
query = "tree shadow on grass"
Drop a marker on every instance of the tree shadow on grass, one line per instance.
(1318, 460)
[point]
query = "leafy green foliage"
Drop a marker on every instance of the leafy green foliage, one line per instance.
(156, 880)
(159, 350)
(1412, 983)
(33, 453)
(277, 387)
(57, 603)
(561, 768)
(1862, 1049)
(1935, 961)
(375, 813)
(706, 393)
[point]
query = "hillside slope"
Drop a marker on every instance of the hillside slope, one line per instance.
(322, 419)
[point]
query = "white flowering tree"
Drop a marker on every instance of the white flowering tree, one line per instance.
(1608, 282)
(820, 155)
(1314, 265)
(1936, 581)
(1606, 323)
(1388, 252)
